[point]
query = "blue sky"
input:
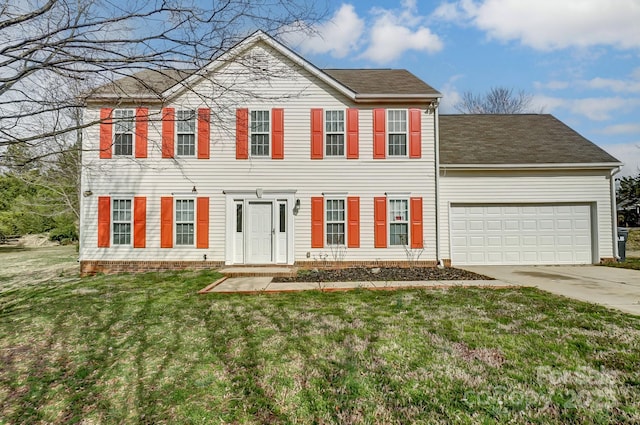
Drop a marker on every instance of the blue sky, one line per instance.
(579, 59)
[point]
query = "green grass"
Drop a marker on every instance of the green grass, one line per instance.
(628, 263)
(633, 241)
(147, 349)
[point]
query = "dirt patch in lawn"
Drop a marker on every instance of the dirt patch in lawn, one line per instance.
(366, 274)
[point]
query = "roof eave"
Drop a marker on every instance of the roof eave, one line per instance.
(396, 98)
(115, 99)
(549, 166)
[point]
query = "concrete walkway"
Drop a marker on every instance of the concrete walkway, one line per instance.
(254, 285)
(609, 286)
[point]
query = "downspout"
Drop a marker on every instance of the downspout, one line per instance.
(436, 135)
(614, 213)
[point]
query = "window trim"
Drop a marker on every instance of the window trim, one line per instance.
(114, 222)
(268, 133)
(179, 133)
(193, 199)
(344, 220)
(326, 133)
(389, 133)
(116, 121)
(406, 222)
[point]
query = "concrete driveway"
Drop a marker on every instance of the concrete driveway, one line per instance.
(608, 286)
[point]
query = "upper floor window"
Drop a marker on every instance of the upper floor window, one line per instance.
(335, 221)
(185, 221)
(123, 132)
(260, 133)
(121, 214)
(398, 222)
(397, 131)
(334, 133)
(186, 132)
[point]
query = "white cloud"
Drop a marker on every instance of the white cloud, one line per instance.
(629, 154)
(338, 36)
(450, 96)
(594, 108)
(551, 24)
(390, 40)
(390, 33)
(620, 129)
(551, 85)
(618, 86)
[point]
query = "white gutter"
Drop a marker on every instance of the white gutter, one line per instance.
(614, 214)
(436, 132)
(548, 166)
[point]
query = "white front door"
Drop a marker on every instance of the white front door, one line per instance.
(260, 233)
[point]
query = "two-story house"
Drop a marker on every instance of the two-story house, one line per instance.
(262, 158)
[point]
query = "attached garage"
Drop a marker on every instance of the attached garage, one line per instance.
(521, 234)
(523, 189)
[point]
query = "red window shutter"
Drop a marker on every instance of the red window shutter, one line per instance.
(317, 133)
(202, 226)
(317, 222)
(352, 134)
(168, 131)
(379, 133)
(166, 222)
(142, 132)
(139, 222)
(380, 221)
(106, 133)
(104, 221)
(353, 222)
(416, 223)
(415, 134)
(204, 132)
(242, 134)
(277, 133)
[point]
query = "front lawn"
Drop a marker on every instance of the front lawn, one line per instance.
(628, 263)
(148, 349)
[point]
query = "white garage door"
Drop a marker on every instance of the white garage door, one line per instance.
(521, 234)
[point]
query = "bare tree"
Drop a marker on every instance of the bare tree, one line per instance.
(498, 100)
(53, 51)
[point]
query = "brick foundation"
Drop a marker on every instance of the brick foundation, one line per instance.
(92, 267)
(365, 263)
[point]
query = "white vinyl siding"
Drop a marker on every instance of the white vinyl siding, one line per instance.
(531, 187)
(123, 132)
(363, 177)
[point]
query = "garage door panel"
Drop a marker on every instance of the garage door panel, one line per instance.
(521, 234)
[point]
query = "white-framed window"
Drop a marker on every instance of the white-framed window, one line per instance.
(123, 132)
(398, 221)
(121, 221)
(185, 221)
(186, 132)
(260, 128)
(397, 132)
(334, 132)
(335, 221)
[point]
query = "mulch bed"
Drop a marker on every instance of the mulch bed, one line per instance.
(364, 274)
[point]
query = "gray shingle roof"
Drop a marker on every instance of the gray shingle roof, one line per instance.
(381, 81)
(146, 83)
(514, 139)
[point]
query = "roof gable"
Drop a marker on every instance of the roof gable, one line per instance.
(359, 85)
(526, 139)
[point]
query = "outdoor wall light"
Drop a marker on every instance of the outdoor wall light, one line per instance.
(87, 193)
(194, 190)
(296, 207)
